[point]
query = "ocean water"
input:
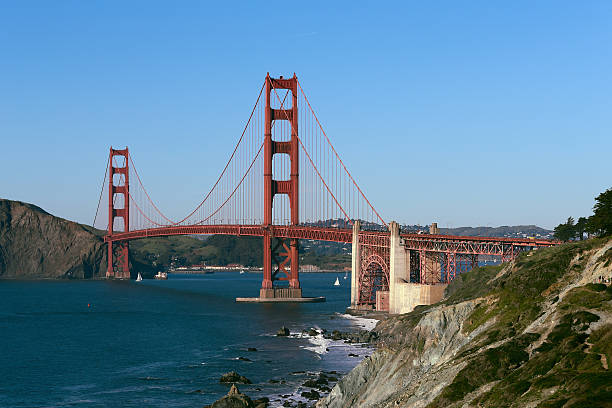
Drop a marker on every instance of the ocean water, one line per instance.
(163, 343)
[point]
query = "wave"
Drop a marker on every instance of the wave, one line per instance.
(364, 322)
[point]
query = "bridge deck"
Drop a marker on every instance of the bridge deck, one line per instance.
(441, 243)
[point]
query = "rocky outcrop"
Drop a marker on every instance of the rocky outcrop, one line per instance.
(34, 245)
(536, 331)
(235, 399)
(233, 377)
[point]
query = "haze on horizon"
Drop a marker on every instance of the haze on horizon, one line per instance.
(467, 115)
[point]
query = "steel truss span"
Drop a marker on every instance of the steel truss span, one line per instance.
(471, 245)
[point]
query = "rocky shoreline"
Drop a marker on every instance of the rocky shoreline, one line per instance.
(314, 385)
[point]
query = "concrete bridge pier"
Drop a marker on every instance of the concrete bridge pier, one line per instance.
(399, 266)
(403, 294)
(355, 264)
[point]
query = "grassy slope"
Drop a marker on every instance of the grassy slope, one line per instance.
(567, 364)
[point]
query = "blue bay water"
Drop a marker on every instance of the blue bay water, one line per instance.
(161, 343)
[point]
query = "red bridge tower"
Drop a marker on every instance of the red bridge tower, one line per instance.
(118, 188)
(273, 187)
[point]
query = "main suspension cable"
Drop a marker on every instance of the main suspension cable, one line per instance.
(317, 170)
(101, 192)
(338, 156)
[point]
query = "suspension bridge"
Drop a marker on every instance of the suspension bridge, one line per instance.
(284, 181)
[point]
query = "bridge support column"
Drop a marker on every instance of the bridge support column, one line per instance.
(404, 295)
(267, 264)
(431, 267)
(355, 264)
(399, 267)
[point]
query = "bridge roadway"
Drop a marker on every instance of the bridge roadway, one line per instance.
(423, 242)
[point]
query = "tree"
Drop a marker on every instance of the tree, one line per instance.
(600, 222)
(581, 227)
(565, 231)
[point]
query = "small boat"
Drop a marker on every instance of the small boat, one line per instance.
(337, 282)
(161, 276)
(139, 278)
(345, 274)
(242, 271)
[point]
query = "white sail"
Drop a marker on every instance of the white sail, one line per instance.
(337, 282)
(139, 278)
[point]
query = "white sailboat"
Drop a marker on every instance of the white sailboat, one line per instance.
(139, 278)
(345, 274)
(337, 282)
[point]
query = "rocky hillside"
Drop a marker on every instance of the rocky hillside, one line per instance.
(534, 333)
(35, 244)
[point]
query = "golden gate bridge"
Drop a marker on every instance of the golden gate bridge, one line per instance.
(284, 181)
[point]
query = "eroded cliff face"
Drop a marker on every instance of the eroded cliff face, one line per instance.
(410, 361)
(536, 332)
(34, 244)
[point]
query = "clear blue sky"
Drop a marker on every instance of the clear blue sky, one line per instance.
(464, 113)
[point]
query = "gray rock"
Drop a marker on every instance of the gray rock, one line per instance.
(389, 374)
(283, 331)
(233, 399)
(233, 377)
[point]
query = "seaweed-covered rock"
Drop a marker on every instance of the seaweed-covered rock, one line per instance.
(311, 395)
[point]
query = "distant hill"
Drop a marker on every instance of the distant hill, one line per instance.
(517, 231)
(162, 252)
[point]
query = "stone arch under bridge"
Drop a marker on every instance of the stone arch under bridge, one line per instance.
(374, 280)
(371, 270)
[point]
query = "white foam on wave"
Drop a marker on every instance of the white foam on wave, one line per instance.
(364, 322)
(320, 345)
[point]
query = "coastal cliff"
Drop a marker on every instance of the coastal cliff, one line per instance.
(533, 333)
(35, 244)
